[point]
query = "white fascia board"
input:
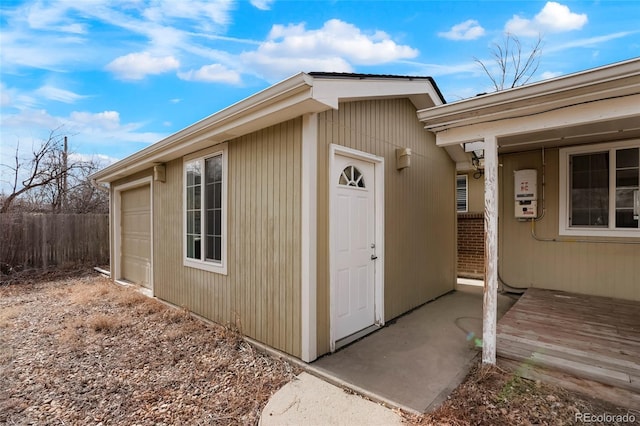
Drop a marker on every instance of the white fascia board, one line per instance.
(331, 91)
(608, 81)
(588, 113)
(277, 102)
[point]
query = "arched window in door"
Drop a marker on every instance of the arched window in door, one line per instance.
(351, 176)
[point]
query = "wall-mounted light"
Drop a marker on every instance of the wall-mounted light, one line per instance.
(160, 173)
(403, 158)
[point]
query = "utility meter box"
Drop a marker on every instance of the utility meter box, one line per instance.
(526, 193)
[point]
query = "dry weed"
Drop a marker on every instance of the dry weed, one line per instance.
(103, 323)
(175, 316)
(101, 353)
(9, 313)
(128, 297)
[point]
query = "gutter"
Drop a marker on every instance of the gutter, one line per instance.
(507, 103)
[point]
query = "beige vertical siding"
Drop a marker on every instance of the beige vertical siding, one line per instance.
(261, 293)
(601, 269)
(420, 242)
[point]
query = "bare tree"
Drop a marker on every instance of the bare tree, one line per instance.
(52, 180)
(514, 67)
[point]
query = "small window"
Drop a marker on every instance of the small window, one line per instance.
(205, 212)
(351, 176)
(598, 188)
(461, 194)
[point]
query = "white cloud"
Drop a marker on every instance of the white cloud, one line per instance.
(590, 42)
(107, 120)
(91, 128)
(553, 18)
(57, 94)
(337, 46)
(467, 30)
(214, 73)
(136, 66)
(262, 4)
(207, 13)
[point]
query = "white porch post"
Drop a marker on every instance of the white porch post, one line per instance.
(490, 301)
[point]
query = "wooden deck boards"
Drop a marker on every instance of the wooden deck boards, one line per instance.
(589, 337)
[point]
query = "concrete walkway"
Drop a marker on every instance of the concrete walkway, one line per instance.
(309, 400)
(412, 363)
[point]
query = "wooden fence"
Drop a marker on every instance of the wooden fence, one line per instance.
(44, 241)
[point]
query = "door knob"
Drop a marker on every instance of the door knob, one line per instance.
(374, 257)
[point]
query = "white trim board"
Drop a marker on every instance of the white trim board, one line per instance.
(308, 238)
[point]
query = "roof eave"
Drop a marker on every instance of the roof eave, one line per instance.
(293, 97)
(557, 92)
(217, 127)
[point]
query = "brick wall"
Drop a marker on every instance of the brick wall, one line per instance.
(471, 245)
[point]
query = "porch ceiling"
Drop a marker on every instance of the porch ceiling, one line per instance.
(607, 131)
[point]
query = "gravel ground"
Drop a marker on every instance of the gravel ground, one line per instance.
(492, 396)
(86, 351)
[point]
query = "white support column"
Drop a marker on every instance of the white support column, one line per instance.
(490, 302)
(309, 239)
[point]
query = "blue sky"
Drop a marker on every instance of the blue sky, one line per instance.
(118, 75)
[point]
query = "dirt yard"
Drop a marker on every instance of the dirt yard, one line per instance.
(85, 351)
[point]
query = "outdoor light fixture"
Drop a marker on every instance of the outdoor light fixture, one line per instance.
(403, 158)
(160, 173)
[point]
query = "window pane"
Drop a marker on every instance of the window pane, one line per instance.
(217, 192)
(209, 197)
(217, 249)
(461, 193)
(627, 158)
(197, 194)
(209, 222)
(627, 177)
(197, 254)
(196, 223)
(217, 226)
(210, 250)
(590, 189)
(624, 198)
(190, 222)
(190, 251)
(624, 219)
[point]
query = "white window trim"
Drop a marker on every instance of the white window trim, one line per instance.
(563, 192)
(466, 193)
(219, 268)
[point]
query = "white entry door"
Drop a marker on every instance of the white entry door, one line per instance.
(353, 246)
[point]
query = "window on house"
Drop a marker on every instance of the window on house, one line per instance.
(598, 188)
(205, 211)
(461, 194)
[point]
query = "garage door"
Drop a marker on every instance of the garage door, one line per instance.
(135, 240)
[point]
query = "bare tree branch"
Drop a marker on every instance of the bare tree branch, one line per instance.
(511, 67)
(47, 178)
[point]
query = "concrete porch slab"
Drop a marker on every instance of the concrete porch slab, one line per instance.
(416, 360)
